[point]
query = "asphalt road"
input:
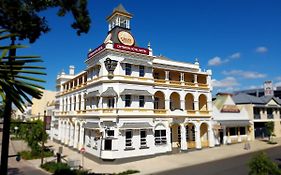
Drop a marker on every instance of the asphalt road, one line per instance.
(23, 168)
(230, 166)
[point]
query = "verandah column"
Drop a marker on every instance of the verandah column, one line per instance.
(183, 137)
(75, 135)
(197, 137)
(81, 139)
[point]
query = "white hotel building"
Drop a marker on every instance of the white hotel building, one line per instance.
(128, 102)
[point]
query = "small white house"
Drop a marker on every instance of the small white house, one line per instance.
(230, 123)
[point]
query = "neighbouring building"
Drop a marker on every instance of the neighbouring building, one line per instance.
(128, 102)
(261, 110)
(36, 109)
(231, 122)
(268, 89)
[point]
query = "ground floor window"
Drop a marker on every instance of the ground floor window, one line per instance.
(143, 138)
(233, 131)
(160, 137)
(110, 133)
(242, 130)
(89, 133)
(107, 144)
(129, 135)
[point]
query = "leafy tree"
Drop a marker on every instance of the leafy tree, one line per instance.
(23, 16)
(270, 129)
(34, 134)
(21, 20)
(262, 165)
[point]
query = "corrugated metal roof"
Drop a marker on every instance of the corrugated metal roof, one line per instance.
(93, 94)
(246, 99)
(110, 92)
(136, 125)
(135, 92)
(91, 125)
(234, 123)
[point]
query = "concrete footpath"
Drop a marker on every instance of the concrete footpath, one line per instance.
(164, 162)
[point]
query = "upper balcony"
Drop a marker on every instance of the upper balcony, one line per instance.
(160, 105)
(180, 79)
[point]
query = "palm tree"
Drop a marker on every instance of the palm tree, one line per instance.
(17, 85)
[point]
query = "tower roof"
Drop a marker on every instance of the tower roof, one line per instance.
(119, 10)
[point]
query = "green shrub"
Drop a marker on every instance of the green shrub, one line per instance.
(128, 172)
(54, 167)
(262, 165)
(62, 169)
(28, 155)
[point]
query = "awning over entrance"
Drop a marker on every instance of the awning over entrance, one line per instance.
(234, 123)
(109, 93)
(135, 92)
(93, 94)
(91, 125)
(136, 62)
(137, 125)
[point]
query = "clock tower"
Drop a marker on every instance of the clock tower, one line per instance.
(119, 18)
(119, 30)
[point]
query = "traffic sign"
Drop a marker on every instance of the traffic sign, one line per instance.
(82, 150)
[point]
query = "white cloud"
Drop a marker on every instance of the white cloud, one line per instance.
(235, 55)
(277, 84)
(261, 49)
(216, 61)
(227, 82)
(245, 74)
(278, 78)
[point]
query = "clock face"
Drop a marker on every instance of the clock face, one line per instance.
(107, 38)
(126, 38)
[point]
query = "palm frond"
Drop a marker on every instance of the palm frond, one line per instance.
(17, 75)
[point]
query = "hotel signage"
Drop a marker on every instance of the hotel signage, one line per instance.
(126, 38)
(96, 50)
(131, 48)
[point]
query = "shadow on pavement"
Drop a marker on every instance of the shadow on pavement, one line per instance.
(14, 171)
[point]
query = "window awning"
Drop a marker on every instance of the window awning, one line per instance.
(93, 94)
(136, 62)
(109, 93)
(108, 124)
(91, 125)
(135, 92)
(234, 123)
(136, 125)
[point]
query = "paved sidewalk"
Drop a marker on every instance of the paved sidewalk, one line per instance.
(166, 162)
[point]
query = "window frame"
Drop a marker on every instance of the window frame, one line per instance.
(141, 71)
(128, 140)
(141, 101)
(128, 69)
(143, 142)
(160, 139)
(128, 100)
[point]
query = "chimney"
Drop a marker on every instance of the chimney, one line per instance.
(71, 70)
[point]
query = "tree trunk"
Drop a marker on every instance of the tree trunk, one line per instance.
(6, 136)
(7, 119)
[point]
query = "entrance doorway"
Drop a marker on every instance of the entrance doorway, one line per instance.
(175, 135)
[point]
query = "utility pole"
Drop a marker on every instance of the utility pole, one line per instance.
(42, 149)
(7, 117)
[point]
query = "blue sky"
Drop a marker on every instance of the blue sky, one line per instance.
(239, 40)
